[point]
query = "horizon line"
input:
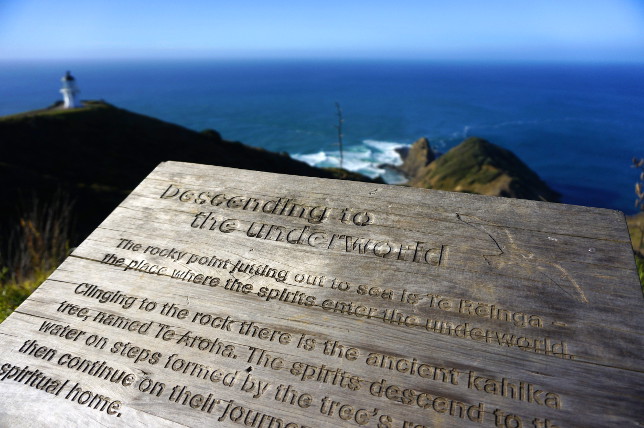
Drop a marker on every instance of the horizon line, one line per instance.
(597, 61)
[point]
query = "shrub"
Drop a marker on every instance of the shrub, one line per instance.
(36, 245)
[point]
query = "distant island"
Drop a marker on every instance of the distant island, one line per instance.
(98, 153)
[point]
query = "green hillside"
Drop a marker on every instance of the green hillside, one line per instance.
(97, 154)
(478, 166)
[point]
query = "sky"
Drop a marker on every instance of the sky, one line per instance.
(568, 30)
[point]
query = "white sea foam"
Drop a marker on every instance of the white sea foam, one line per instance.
(312, 158)
(386, 151)
(365, 158)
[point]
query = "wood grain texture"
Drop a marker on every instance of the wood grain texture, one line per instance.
(207, 298)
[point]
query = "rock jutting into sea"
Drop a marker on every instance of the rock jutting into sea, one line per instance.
(417, 157)
(474, 166)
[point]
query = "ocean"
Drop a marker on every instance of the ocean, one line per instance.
(576, 125)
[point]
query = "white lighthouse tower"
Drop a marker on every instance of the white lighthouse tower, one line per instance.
(69, 91)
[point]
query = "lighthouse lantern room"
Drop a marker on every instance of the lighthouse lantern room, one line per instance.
(69, 91)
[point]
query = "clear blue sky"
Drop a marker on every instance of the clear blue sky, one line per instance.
(590, 30)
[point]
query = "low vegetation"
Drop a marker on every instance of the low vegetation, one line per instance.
(636, 230)
(636, 222)
(35, 247)
(640, 269)
(15, 292)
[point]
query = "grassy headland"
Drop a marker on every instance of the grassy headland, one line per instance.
(99, 153)
(478, 166)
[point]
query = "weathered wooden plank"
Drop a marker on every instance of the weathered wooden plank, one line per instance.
(364, 305)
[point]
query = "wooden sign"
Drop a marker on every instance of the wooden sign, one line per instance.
(223, 297)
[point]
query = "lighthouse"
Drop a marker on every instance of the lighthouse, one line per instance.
(69, 91)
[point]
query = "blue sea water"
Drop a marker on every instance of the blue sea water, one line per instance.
(576, 125)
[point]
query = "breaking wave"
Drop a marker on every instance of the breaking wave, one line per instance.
(367, 158)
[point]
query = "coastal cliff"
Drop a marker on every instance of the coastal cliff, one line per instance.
(97, 154)
(416, 157)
